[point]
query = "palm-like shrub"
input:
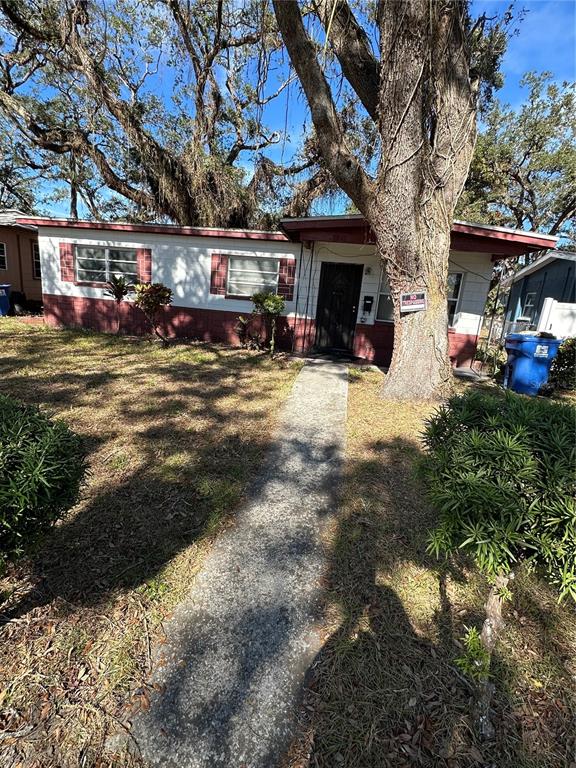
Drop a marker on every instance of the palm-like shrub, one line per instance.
(41, 468)
(500, 470)
(118, 288)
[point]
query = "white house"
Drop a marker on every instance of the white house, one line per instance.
(326, 267)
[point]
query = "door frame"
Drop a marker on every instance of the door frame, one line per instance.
(356, 298)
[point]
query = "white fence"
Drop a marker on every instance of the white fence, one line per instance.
(558, 318)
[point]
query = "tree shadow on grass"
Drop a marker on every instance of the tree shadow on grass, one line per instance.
(171, 452)
(385, 689)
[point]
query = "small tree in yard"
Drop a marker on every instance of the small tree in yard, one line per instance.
(118, 288)
(420, 92)
(500, 471)
(270, 306)
(151, 298)
(41, 468)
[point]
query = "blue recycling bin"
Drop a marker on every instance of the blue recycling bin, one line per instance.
(530, 356)
(4, 299)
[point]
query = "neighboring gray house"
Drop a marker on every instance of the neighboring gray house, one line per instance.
(543, 295)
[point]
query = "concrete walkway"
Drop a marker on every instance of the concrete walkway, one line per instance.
(238, 648)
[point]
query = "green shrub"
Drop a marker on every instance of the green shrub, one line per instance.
(41, 467)
(563, 369)
(150, 298)
(500, 470)
(271, 305)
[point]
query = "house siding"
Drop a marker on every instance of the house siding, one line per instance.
(555, 280)
(19, 274)
(201, 309)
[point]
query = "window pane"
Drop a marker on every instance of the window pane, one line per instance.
(122, 267)
(3, 260)
(454, 283)
(90, 252)
(36, 268)
(122, 254)
(82, 263)
(248, 275)
(131, 277)
(91, 275)
(385, 309)
(452, 303)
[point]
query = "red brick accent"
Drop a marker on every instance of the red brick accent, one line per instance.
(67, 262)
(218, 274)
(461, 348)
(144, 260)
(371, 342)
(287, 278)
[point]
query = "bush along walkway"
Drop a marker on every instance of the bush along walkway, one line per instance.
(227, 681)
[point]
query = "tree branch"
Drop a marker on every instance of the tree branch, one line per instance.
(352, 48)
(344, 166)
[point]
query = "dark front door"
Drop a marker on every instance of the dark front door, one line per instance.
(338, 296)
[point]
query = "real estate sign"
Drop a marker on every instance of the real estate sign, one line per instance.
(413, 302)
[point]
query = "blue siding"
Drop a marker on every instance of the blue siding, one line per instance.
(555, 280)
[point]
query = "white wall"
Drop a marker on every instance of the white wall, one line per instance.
(558, 318)
(183, 263)
(477, 269)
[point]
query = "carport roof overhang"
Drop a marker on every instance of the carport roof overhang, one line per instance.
(500, 242)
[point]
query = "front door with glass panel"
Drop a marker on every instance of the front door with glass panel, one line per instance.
(338, 296)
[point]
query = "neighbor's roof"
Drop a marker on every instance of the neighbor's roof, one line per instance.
(537, 264)
(10, 217)
(500, 242)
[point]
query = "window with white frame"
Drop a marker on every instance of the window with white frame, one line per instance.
(97, 264)
(36, 268)
(454, 287)
(529, 305)
(385, 311)
(3, 260)
(250, 274)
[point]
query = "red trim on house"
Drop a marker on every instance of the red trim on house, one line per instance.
(218, 274)
(371, 342)
(144, 264)
(67, 274)
(156, 229)
(286, 278)
(497, 241)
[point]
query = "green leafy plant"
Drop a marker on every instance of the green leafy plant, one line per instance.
(151, 298)
(500, 471)
(42, 465)
(118, 288)
(270, 306)
(475, 661)
(563, 369)
(493, 357)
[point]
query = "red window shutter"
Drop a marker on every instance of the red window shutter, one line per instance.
(144, 261)
(67, 263)
(218, 274)
(287, 278)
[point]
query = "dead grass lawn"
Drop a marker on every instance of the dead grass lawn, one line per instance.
(385, 690)
(174, 435)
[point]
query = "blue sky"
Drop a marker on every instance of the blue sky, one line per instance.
(546, 42)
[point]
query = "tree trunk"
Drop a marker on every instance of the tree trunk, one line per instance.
(491, 629)
(420, 368)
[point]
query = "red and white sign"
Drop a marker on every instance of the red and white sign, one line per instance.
(413, 302)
